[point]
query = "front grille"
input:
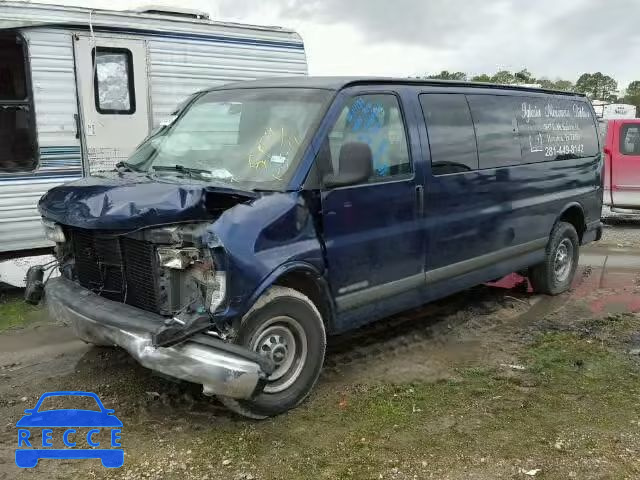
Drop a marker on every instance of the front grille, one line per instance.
(116, 267)
(139, 260)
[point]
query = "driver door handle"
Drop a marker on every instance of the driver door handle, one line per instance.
(420, 200)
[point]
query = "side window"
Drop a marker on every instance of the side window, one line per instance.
(452, 139)
(496, 130)
(553, 128)
(376, 120)
(630, 139)
(113, 81)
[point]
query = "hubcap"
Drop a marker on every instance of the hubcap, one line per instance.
(563, 262)
(284, 342)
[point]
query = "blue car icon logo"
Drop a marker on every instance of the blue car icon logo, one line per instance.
(32, 447)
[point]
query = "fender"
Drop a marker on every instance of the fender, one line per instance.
(569, 206)
(295, 266)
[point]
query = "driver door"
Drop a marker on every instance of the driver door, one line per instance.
(372, 231)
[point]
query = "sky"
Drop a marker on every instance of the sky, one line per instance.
(551, 38)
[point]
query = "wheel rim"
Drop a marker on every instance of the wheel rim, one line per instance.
(284, 342)
(563, 261)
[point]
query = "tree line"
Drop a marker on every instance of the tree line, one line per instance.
(597, 86)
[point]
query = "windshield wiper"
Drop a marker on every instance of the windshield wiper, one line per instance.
(180, 169)
(127, 166)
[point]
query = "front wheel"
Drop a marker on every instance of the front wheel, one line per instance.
(286, 327)
(555, 274)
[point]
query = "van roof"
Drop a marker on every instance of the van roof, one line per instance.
(338, 83)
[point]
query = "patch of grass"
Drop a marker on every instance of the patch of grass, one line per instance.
(14, 311)
(573, 409)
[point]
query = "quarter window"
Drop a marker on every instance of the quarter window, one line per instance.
(452, 139)
(630, 140)
(113, 81)
(496, 130)
(376, 120)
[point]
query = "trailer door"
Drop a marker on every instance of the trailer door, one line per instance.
(113, 92)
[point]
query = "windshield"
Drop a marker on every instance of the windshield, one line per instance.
(250, 137)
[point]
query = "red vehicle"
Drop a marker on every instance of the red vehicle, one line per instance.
(622, 166)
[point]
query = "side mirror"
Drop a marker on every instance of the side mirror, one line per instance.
(355, 166)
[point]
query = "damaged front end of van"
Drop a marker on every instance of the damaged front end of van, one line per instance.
(165, 267)
(168, 255)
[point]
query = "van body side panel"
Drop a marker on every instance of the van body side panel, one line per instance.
(486, 223)
(55, 103)
(478, 218)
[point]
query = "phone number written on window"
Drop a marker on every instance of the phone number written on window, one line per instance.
(555, 150)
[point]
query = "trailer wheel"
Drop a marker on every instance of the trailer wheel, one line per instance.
(554, 275)
(285, 326)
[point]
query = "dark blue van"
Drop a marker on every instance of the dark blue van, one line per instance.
(270, 214)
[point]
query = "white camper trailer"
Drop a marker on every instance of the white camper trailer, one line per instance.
(80, 88)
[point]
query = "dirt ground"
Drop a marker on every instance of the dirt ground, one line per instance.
(490, 383)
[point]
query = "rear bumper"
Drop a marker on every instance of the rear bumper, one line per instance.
(221, 368)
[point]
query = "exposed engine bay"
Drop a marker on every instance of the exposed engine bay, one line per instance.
(176, 271)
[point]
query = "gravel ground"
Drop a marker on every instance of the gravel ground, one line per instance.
(622, 231)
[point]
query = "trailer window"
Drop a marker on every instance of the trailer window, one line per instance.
(17, 126)
(113, 81)
(630, 140)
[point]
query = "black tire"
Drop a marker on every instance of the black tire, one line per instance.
(287, 326)
(553, 276)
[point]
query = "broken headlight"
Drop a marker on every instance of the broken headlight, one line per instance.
(178, 258)
(213, 283)
(53, 231)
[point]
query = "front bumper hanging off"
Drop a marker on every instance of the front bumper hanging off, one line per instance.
(221, 368)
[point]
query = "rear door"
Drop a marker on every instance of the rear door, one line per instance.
(625, 165)
(113, 91)
(372, 231)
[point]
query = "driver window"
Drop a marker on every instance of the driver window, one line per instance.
(376, 120)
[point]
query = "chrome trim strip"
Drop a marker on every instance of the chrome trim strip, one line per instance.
(466, 266)
(378, 292)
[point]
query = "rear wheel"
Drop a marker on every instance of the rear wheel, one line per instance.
(555, 274)
(286, 327)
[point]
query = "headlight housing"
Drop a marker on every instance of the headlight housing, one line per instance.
(53, 231)
(177, 258)
(191, 263)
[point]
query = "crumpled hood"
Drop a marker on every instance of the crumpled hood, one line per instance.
(129, 201)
